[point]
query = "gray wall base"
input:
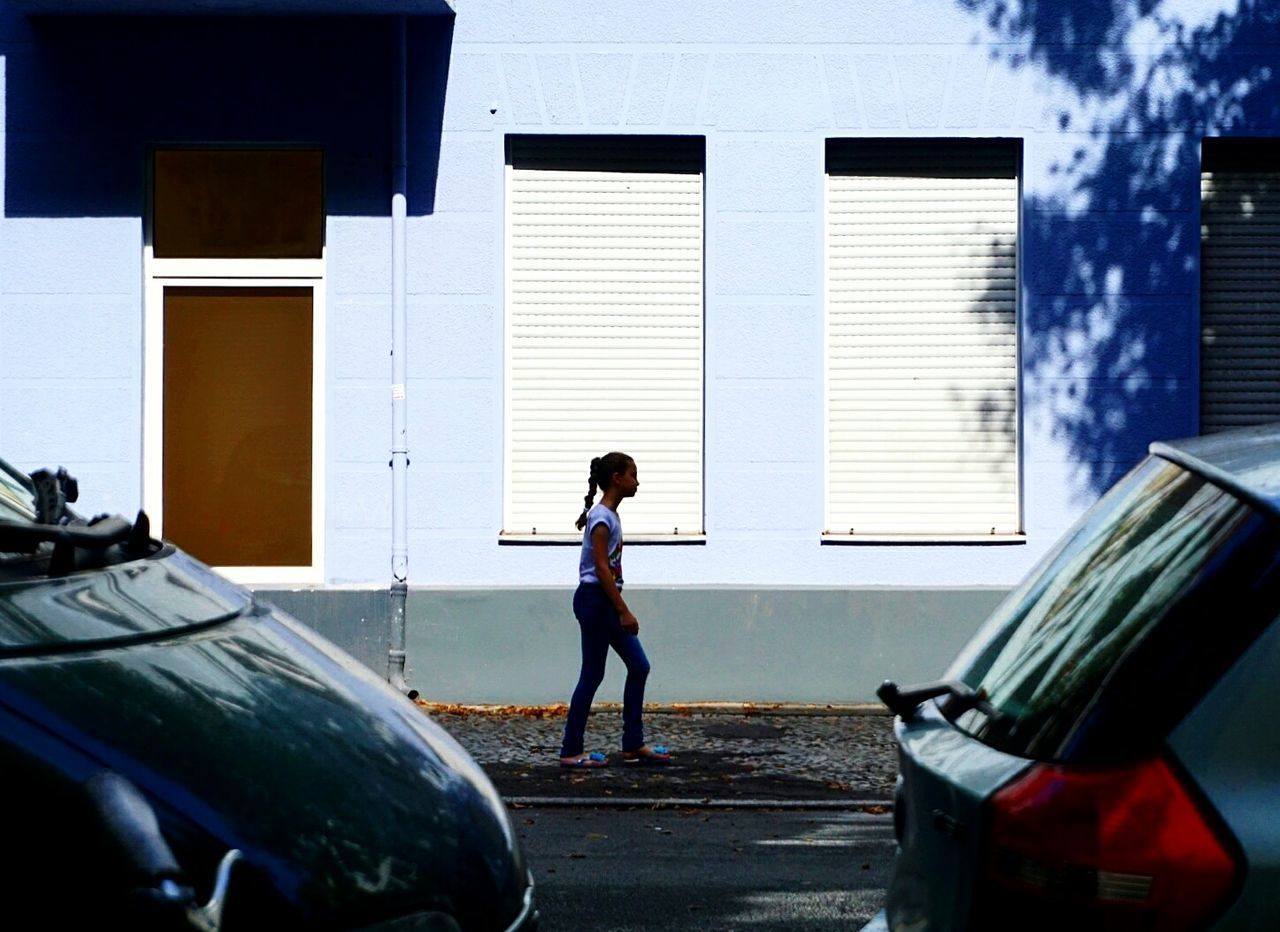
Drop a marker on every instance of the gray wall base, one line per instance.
(520, 646)
(738, 645)
(357, 620)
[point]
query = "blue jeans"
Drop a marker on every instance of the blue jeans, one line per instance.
(601, 629)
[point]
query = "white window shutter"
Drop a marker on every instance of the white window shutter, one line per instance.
(1239, 286)
(921, 337)
(604, 316)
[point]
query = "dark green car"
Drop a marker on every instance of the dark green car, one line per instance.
(176, 754)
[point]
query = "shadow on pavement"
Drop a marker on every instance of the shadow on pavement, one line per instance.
(826, 757)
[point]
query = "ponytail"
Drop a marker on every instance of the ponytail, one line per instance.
(600, 476)
(591, 493)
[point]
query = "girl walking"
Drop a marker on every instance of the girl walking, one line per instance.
(604, 619)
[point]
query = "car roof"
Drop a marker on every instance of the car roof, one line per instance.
(1245, 461)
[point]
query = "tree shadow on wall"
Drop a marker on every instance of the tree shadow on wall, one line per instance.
(1109, 349)
(87, 97)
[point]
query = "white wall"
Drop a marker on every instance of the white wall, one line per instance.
(766, 83)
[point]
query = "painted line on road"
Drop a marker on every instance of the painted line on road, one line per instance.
(642, 802)
(859, 842)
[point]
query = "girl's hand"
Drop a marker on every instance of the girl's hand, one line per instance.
(629, 622)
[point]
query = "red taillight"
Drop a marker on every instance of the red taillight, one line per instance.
(1127, 847)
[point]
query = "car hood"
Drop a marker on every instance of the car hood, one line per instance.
(129, 602)
(247, 730)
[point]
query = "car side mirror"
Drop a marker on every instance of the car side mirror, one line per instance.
(131, 822)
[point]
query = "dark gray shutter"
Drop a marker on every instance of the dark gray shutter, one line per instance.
(1239, 284)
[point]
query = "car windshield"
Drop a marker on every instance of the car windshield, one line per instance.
(17, 499)
(1157, 536)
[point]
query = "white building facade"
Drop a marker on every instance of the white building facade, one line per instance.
(880, 298)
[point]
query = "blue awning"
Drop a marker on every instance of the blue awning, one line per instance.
(241, 7)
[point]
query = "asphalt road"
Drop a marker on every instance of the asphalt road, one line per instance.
(625, 870)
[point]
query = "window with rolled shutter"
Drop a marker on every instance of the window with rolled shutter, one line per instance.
(921, 338)
(604, 315)
(1239, 283)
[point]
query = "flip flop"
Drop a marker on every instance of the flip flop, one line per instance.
(647, 755)
(586, 762)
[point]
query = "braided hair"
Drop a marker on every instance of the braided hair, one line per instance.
(600, 476)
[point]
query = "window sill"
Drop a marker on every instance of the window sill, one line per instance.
(565, 540)
(267, 576)
(925, 540)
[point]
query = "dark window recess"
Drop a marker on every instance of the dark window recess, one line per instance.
(238, 204)
(1240, 154)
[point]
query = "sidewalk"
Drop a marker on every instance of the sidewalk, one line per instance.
(731, 754)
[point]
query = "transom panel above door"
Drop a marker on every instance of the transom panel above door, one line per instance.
(234, 414)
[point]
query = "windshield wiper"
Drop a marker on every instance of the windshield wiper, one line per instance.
(904, 701)
(102, 532)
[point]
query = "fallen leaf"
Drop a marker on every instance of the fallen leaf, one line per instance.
(525, 711)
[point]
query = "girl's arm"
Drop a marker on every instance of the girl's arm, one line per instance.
(600, 556)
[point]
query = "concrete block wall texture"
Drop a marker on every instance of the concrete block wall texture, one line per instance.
(70, 330)
(70, 354)
(766, 93)
(1109, 243)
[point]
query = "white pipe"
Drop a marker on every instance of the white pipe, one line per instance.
(399, 350)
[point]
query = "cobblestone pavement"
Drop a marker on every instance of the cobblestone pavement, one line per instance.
(731, 753)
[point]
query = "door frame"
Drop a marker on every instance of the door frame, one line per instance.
(232, 274)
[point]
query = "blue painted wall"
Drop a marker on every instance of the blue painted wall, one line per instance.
(1111, 100)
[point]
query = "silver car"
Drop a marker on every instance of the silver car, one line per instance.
(1104, 753)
